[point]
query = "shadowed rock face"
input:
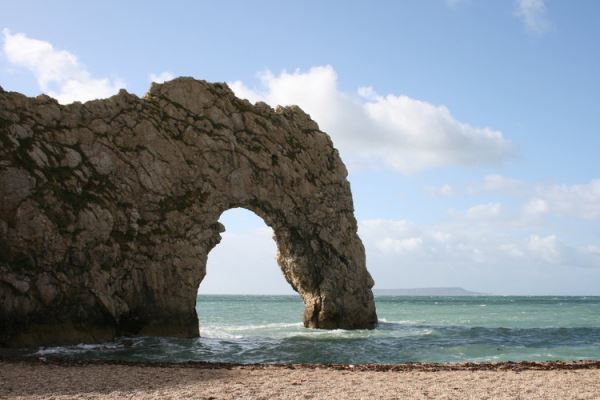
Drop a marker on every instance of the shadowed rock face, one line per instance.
(109, 209)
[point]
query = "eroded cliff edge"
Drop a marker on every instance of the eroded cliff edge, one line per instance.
(109, 209)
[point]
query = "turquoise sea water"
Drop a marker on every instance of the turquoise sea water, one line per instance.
(256, 329)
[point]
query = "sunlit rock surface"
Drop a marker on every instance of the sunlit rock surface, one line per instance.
(109, 209)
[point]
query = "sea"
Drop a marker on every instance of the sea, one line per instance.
(268, 329)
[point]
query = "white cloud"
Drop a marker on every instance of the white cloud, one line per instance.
(580, 200)
(58, 72)
(499, 184)
(516, 235)
(244, 92)
(441, 237)
(386, 227)
(484, 211)
(445, 190)
(367, 92)
(161, 77)
(465, 245)
(394, 131)
(400, 245)
(502, 184)
(546, 248)
(512, 250)
(593, 250)
(535, 208)
(533, 15)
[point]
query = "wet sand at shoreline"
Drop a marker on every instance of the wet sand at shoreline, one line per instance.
(100, 380)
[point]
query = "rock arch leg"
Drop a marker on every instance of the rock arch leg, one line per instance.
(335, 289)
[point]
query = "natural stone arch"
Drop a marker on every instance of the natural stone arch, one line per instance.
(110, 208)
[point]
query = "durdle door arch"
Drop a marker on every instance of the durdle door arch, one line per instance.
(108, 210)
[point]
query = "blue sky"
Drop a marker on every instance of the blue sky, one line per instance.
(470, 128)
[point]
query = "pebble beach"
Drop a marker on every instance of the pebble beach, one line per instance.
(56, 380)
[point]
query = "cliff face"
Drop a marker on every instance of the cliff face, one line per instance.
(109, 209)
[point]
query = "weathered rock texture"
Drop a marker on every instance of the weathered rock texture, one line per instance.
(109, 209)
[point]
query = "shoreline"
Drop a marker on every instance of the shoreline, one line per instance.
(408, 366)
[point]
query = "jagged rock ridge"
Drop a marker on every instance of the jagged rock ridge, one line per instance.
(109, 209)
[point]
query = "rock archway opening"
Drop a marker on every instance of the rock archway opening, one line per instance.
(243, 280)
(245, 260)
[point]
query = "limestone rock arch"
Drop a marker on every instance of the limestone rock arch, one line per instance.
(109, 209)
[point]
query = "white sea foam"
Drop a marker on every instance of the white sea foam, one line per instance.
(80, 348)
(275, 325)
(400, 321)
(220, 333)
(241, 331)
